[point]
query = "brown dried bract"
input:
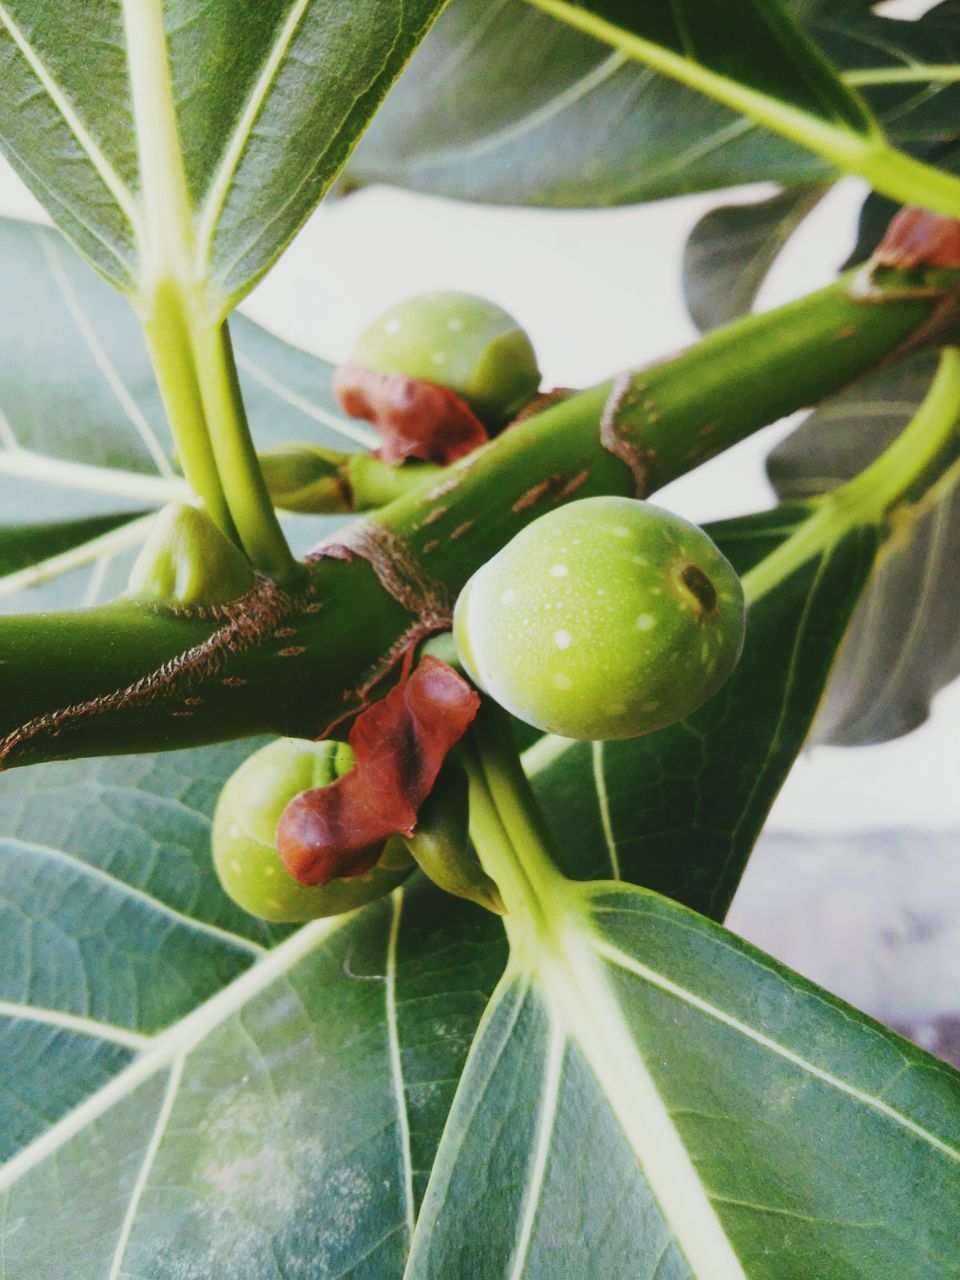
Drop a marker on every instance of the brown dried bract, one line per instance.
(400, 744)
(416, 419)
(919, 238)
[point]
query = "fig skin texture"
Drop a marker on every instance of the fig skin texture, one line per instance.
(455, 340)
(608, 618)
(244, 829)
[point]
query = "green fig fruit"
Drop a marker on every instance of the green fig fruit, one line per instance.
(186, 562)
(467, 344)
(244, 831)
(607, 618)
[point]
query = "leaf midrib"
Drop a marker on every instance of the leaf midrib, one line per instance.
(571, 977)
(614, 955)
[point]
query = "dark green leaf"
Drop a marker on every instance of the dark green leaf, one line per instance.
(265, 98)
(660, 1099)
(286, 1091)
(731, 249)
(76, 388)
(24, 545)
(502, 103)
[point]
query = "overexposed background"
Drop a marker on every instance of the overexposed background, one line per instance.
(599, 291)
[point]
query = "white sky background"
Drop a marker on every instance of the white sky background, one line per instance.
(600, 291)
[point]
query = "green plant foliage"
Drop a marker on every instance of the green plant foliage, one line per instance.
(720, 768)
(903, 644)
(272, 1137)
(504, 103)
(730, 251)
(655, 1024)
(77, 388)
(603, 1082)
(243, 1098)
(265, 97)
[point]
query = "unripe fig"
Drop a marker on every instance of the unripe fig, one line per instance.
(187, 562)
(455, 340)
(244, 834)
(607, 618)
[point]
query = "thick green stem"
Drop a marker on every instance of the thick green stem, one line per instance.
(868, 497)
(246, 493)
(308, 662)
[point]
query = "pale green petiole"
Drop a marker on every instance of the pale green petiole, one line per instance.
(869, 154)
(188, 342)
(869, 497)
(508, 832)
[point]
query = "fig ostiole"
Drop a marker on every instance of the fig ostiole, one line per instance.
(608, 618)
(244, 836)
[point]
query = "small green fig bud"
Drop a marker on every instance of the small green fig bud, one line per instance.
(187, 562)
(607, 618)
(305, 477)
(244, 836)
(464, 343)
(440, 842)
(316, 481)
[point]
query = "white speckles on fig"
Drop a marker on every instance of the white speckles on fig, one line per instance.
(646, 648)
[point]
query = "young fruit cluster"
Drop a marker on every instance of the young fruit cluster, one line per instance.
(244, 836)
(607, 618)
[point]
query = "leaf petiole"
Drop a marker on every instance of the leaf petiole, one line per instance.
(509, 833)
(238, 468)
(870, 497)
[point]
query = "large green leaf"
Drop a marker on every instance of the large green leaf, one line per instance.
(503, 103)
(680, 810)
(647, 1091)
(653, 1097)
(904, 640)
(83, 439)
(158, 130)
(190, 1094)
